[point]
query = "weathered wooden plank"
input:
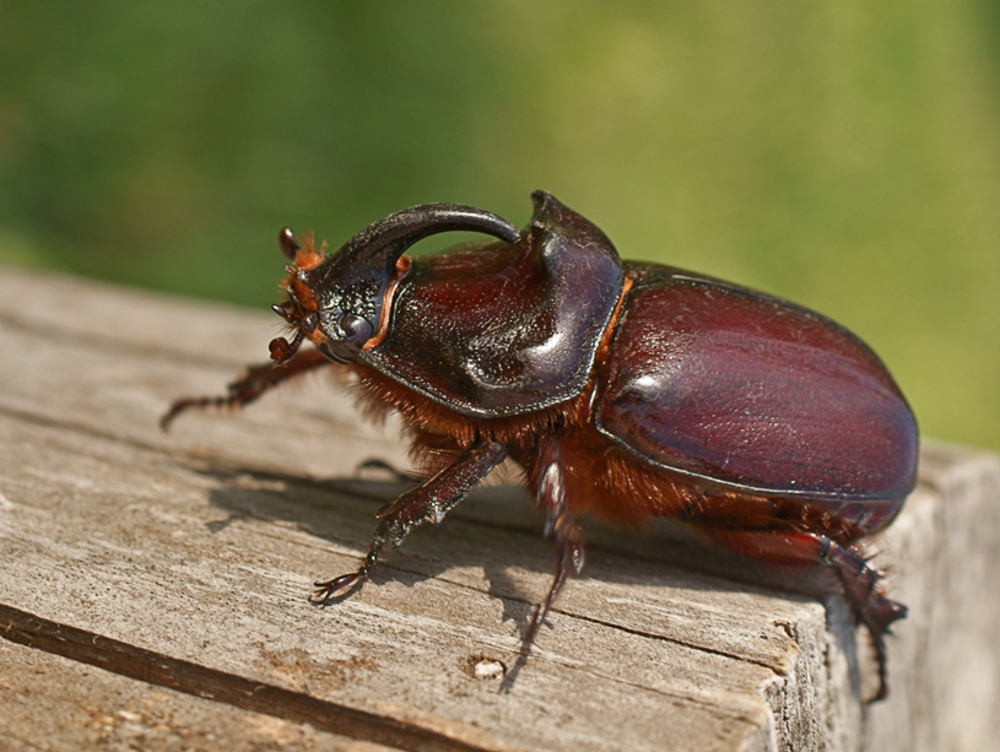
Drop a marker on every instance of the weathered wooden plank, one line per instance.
(51, 702)
(202, 545)
(104, 551)
(946, 550)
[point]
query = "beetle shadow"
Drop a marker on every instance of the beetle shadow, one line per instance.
(342, 511)
(495, 530)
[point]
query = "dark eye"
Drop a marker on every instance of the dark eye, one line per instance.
(356, 329)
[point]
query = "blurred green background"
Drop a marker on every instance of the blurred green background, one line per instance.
(844, 154)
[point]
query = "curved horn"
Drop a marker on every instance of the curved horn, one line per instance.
(379, 245)
(350, 284)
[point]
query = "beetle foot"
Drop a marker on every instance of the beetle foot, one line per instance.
(395, 520)
(881, 659)
(345, 583)
(327, 591)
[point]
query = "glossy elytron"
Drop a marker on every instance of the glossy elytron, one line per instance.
(624, 390)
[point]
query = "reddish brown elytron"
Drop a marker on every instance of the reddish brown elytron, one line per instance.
(624, 390)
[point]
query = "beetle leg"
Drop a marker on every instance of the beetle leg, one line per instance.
(430, 501)
(257, 380)
(859, 581)
(561, 529)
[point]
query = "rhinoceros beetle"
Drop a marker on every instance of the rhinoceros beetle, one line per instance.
(623, 390)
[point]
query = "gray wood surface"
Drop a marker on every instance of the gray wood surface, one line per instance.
(154, 587)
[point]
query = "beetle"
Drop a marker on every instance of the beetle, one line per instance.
(623, 390)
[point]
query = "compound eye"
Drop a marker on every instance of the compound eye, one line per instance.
(356, 329)
(287, 242)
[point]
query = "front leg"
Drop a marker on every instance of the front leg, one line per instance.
(428, 502)
(257, 380)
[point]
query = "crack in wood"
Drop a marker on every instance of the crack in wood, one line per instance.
(189, 678)
(674, 641)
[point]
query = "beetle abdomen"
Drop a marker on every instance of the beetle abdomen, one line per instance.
(731, 385)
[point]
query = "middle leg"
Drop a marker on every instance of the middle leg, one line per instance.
(560, 528)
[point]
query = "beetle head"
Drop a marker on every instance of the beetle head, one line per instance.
(339, 300)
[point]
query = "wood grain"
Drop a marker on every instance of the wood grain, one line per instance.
(177, 567)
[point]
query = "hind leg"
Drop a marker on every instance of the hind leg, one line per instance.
(860, 582)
